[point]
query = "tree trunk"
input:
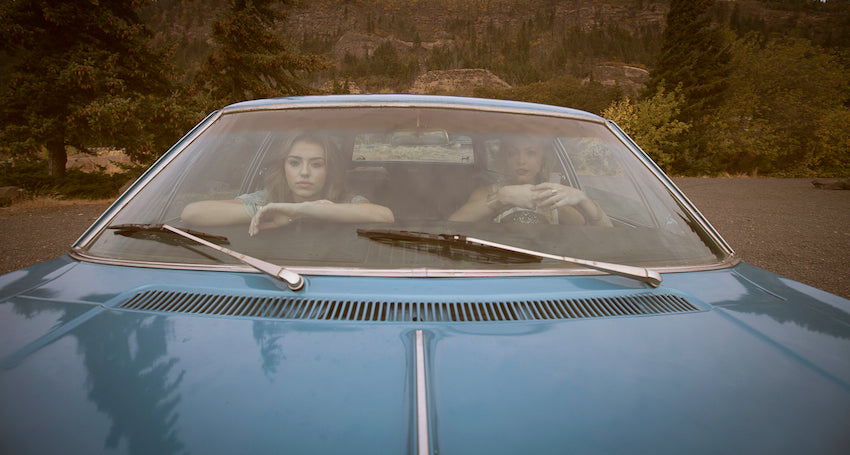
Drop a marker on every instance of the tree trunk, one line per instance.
(56, 158)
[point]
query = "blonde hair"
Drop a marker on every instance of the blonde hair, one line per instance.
(334, 189)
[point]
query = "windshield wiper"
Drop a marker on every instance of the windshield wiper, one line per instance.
(439, 245)
(293, 280)
(151, 232)
(645, 275)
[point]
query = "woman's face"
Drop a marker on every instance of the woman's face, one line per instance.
(525, 161)
(306, 171)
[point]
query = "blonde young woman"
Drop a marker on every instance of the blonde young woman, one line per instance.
(526, 196)
(307, 182)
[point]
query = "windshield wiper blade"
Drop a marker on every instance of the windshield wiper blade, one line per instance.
(293, 280)
(443, 246)
(644, 275)
(140, 229)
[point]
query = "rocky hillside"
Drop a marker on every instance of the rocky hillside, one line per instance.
(436, 20)
(507, 41)
(461, 82)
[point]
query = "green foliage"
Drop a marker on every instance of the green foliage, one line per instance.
(182, 25)
(565, 91)
(75, 74)
(384, 67)
(693, 55)
(89, 185)
(785, 112)
(27, 174)
(385, 60)
(250, 59)
(652, 123)
(540, 48)
(85, 74)
(31, 176)
(440, 58)
(317, 43)
(831, 157)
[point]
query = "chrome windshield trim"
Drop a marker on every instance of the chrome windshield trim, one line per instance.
(422, 272)
(417, 104)
(423, 445)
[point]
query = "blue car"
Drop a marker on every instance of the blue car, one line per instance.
(388, 274)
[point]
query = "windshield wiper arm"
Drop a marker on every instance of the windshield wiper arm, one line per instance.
(293, 280)
(645, 275)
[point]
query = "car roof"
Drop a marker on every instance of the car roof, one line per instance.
(407, 100)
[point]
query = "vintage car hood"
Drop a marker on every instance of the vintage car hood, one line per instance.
(753, 363)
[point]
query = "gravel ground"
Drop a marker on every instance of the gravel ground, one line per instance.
(33, 232)
(784, 225)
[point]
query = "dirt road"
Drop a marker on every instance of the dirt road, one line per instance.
(784, 225)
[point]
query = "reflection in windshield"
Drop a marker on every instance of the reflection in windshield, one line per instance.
(291, 187)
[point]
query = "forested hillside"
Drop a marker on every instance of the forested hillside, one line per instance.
(386, 44)
(704, 86)
(596, 55)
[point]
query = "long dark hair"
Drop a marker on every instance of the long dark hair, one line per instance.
(333, 190)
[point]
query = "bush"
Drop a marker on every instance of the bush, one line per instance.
(832, 150)
(29, 175)
(32, 177)
(652, 123)
(785, 111)
(564, 91)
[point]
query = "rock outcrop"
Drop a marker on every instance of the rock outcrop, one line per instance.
(460, 82)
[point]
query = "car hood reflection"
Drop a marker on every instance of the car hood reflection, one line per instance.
(146, 382)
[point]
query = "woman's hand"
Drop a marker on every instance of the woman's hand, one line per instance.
(279, 214)
(555, 195)
(518, 196)
(272, 215)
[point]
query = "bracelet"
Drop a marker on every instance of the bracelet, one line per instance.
(250, 208)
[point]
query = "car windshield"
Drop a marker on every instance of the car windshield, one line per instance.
(312, 177)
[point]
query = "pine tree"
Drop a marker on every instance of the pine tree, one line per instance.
(250, 59)
(694, 55)
(78, 73)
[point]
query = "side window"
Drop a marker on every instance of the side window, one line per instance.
(223, 173)
(604, 179)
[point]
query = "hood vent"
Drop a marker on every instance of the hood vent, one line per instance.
(402, 311)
